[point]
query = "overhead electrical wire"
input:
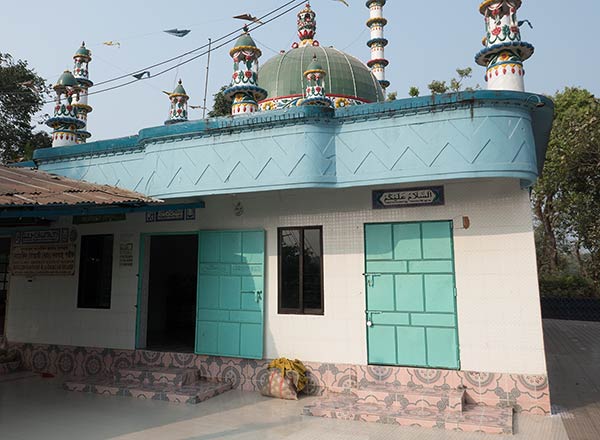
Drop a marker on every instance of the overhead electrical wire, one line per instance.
(230, 37)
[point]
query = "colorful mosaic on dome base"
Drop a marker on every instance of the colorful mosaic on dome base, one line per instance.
(504, 51)
(298, 100)
(524, 393)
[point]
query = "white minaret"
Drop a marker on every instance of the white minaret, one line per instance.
(82, 59)
(66, 122)
(377, 43)
(504, 51)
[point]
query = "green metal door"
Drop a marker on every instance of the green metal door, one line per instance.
(230, 294)
(411, 295)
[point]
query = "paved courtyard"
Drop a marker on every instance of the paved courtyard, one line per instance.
(36, 408)
(573, 354)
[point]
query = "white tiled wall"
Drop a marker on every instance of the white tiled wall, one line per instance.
(498, 302)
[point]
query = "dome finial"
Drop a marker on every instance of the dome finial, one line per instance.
(307, 27)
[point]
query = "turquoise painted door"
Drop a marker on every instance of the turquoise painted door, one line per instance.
(411, 300)
(230, 294)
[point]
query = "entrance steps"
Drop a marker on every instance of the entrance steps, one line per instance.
(168, 384)
(10, 367)
(412, 406)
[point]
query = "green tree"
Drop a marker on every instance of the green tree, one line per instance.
(456, 84)
(221, 105)
(437, 87)
(566, 198)
(22, 94)
(414, 92)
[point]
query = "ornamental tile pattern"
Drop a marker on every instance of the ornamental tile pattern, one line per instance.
(525, 393)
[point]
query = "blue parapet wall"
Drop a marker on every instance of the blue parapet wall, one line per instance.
(483, 134)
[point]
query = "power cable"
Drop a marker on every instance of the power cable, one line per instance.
(224, 43)
(295, 3)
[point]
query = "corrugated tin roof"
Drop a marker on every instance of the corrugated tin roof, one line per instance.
(20, 187)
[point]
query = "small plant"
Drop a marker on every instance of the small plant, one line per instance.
(414, 92)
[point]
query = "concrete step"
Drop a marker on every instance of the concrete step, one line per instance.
(195, 393)
(404, 397)
(473, 418)
(10, 367)
(156, 375)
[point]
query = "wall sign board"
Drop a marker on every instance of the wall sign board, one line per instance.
(55, 259)
(408, 197)
(44, 252)
(171, 215)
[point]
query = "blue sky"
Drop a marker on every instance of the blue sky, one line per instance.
(428, 40)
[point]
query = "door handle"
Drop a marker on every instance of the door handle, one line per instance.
(257, 294)
(370, 317)
(370, 277)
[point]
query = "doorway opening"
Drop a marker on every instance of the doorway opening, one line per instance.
(172, 285)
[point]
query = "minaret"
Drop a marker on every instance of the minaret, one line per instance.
(244, 89)
(315, 90)
(179, 105)
(82, 58)
(66, 121)
(504, 51)
(307, 28)
(377, 43)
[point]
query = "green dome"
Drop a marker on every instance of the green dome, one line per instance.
(314, 65)
(83, 51)
(179, 90)
(283, 75)
(244, 41)
(66, 80)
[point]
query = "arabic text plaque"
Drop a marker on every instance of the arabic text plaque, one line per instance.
(408, 197)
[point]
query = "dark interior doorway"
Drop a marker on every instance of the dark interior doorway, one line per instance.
(4, 255)
(172, 293)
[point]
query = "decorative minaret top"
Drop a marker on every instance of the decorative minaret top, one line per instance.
(244, 89)
(82, 58)
(315, 90)
(307, 28)
(377, 43)
(504, 51)
(66, 121)
(179, 105)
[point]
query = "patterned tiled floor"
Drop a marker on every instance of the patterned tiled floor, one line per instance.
(34, 408)
(176, 385)
(573, 355)
(474, 418)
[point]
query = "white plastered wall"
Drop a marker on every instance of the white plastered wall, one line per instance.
(498, 301)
